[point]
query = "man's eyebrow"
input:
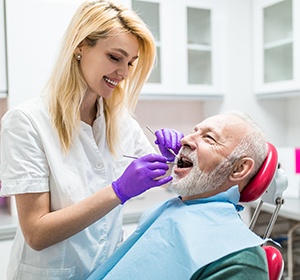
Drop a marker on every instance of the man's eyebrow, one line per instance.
(217, 131)
(214, 130)
(124, 52)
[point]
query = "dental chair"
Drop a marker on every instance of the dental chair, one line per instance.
(269, 183)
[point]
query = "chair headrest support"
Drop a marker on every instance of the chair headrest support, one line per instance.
(263, 178)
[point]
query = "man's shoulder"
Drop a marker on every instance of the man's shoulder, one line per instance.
(249, 263)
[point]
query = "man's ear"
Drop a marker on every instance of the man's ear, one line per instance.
(243, 168)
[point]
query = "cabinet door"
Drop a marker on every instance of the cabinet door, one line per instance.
(200, 41)
(153, 13)
(150, 12)
(3, 77)
(188, 35)
(276, 46)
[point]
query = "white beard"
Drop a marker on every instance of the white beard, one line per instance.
(197, 182)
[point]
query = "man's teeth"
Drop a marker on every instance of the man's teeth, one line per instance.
(110, 81)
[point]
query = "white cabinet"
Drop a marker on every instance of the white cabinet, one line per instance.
(277, 47)
(3, 76)
(190, 37)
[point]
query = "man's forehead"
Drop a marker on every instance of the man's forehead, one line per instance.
(226, 126)
(219, 122)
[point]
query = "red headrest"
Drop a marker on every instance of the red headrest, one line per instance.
(263, 178)
(275, 262)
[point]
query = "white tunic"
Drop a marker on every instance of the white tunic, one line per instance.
(32, 161)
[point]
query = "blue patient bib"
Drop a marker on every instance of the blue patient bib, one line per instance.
(177, 238)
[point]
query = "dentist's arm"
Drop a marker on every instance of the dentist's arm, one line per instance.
(42, 227)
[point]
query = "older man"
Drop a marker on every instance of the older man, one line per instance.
(200, 234)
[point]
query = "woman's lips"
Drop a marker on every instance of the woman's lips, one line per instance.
(110, 82)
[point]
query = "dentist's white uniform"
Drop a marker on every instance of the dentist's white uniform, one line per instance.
(32, 161)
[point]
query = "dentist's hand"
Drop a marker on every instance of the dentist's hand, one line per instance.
(141, 175)
(168, 139)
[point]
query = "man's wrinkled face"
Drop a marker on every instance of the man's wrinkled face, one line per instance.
(197, 182)
(203, 167)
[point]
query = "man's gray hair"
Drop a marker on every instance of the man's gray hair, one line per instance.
(253, 143)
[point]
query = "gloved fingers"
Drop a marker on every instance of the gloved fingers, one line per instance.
(154, 165)
(142, 174)
(157, 165)
(155, 173)
(164, 141)
(151, 166)
(169, 138)
(175, 140)
(165, 152)
(179, 135)
(163, 180)
(150, 158)
(160, 137)
(157, 179)
(165, 137)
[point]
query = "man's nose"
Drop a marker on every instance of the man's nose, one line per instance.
(188, 141)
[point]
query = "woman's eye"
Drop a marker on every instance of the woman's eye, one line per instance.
(114, 58)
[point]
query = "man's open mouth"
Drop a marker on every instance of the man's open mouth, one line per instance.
(184, 163)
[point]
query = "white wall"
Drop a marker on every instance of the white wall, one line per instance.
(34, 33)
(180, 115)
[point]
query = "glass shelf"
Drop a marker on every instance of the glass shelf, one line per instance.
(199, 29)
(278, 63)
(149, 12)
(199, 67)
(199, 46)
(278, 42)
(278, 21)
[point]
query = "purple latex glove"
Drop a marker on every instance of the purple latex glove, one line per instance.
(168, 139)
(141, 175)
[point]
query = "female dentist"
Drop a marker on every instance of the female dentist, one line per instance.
(62, 152)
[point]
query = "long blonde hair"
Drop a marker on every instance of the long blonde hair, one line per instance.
(96, 20)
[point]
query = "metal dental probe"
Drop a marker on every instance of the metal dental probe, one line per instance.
(170, 150)
(134, 157)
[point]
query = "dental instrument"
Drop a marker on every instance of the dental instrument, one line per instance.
(134, 157)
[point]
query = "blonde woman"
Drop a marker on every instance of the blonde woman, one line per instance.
(62, 152)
